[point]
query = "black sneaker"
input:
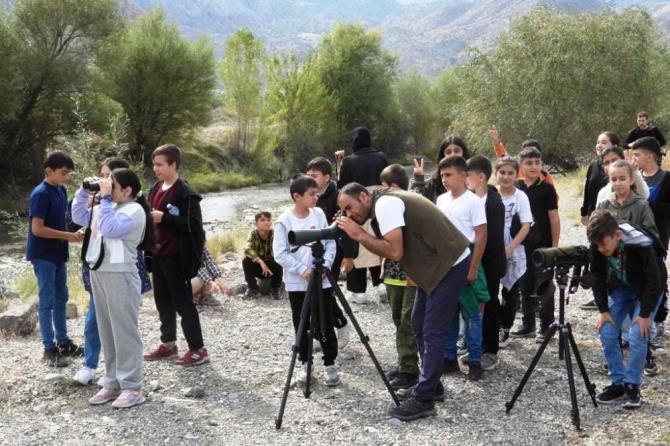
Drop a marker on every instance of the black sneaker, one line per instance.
(54, 358)
(450, 366)
(70, 349)
(252, 293)
(632, 399)
(590, 305)
(503, 338)
(438, 393)
(275, 293)
(611, 394)
(525, 331)
(392, 374)
(404, 380)
(650, 367)
(475, 372)
(413, 409)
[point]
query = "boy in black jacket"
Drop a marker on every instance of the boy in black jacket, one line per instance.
(627, 282)
(322, 171)
(494, 259)
(176, 257)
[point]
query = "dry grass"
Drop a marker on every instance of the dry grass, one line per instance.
(570, 190)
(232, 241)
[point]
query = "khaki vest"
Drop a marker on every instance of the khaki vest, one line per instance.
(431, 243)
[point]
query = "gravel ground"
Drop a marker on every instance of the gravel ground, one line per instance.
(249, 341)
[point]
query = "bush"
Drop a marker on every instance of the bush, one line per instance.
(218, 181)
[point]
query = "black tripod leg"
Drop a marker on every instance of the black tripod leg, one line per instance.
(294, 349)
(363, 337)
(590, 387)
(571, 378)
(510, 404)
(313, 294)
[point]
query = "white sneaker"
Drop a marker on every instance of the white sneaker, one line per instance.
(358, 298)
(332, 378)
(343, 335)
(84, 376)
(302, 375)
(381, 293)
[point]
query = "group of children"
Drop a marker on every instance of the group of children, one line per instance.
(628, 228)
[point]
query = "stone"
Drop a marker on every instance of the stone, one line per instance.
(236, 289)
(71, 311)
(19, 320)
(193, 392)
(54, 377)
(154, 385)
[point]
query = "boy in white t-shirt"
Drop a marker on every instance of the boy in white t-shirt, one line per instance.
(467, 212)
(297, 266)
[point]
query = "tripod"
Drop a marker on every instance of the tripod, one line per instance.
(566, 343)
(313, 310)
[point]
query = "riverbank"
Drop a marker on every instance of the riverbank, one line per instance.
(249, 341)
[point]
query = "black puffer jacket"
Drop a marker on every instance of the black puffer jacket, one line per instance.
(364, 164)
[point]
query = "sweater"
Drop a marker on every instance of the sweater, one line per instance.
(637, 133)
(634, 210)
(596, 179)
(365, 164)
(642, 268)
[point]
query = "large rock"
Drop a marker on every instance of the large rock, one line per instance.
(19, 320)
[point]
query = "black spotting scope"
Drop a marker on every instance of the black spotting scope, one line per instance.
(297, 238)
(561, 256)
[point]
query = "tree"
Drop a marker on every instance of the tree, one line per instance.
(240, 73)
(48, 45)
(300, 112)
(563, 79)
(418, 112)
(164, 83)
(355, 68)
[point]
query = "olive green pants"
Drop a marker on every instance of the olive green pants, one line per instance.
(401, 300)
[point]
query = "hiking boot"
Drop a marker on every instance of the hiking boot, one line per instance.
(128, 398)
(590, 305)
(332, 377)
(69, 348)
(104, 396)
(252, 293)
(404, 380)
(413, 409)
(650, 367)
(193, 357)
(162, 352)
(275, 293)
(450, 366)
(611, 394)
(632, 397)
(475, 371)
(343, 336)
(54, 358)
(503, 338)
(438, 393)
(392, 374)
(84, 376)
(489, 361)
(524, 331)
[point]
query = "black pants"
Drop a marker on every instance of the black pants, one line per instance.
(509, 306)
(172, 294)
(357, 280)
(529, 303)
(339, 320)
(329, 347)
(491, 321)
(252, 271)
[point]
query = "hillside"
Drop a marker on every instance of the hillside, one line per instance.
(427, 35)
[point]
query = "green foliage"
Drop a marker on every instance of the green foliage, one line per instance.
(240, 73)
(47, 47)
(299, 113)
(205, 182)
(417, 110)
(164, 83)
(355, 68)
(563, 79)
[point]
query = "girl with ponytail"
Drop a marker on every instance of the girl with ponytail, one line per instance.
(120, 226)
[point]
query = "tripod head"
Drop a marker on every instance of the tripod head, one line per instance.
(317, 254)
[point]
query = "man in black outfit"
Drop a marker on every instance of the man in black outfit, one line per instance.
(644, 128)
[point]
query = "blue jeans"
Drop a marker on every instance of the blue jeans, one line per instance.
(91, 336)
(473, 333)
(622, 303)
(52, 284)
(431, 316)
